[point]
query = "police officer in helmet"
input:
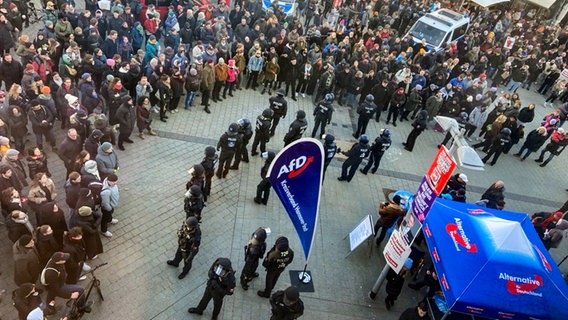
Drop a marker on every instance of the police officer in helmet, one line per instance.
(365, 111)
(378, 148)
(275, 262)
(323, 113)
(286, 304)
(279, 106)
(245, 132)
(228, 144)
(263, 188)
(297, 128)
(189, 239)
(329, 149)
(208, 164)
(355, 156)
(262, 131)
(254, 251)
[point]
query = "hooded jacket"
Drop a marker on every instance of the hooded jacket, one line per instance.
(106, 162)
(109, 196)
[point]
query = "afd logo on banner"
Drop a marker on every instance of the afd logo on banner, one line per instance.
(522, 285)
(459, 236)
(296, 176)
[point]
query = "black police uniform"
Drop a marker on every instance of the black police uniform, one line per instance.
(221, 282)
(208, 164)
(329, 149)
(297, 129)
(285, 310)
(245, 132)
(497, 147)
(189, 239)
(262, 133)
(228, 144)
(263, 188)
(365, 111)
(197, 178)
(193, 203)
(322, 113)
(377, 149)
(358, 152)
(275, 262)
(254, 251)
(280, 107)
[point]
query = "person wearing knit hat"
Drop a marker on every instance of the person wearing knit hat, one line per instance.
(85, 211)
(110, 62)
(46, 90)
(26, 299)
(71, 99)
(86, 76)
(106, 146)
(286, 304)
(12, 153)
(30, 68)
(4, 145)
(107, 160)
(26, 263)
(109, 202)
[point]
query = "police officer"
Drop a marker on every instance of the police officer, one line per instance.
(358, 152)
(193, 203)
(263, 188)
(245, 132)
(197, 173)
(228, 144)
(208, 164)
(323, 113)
(254, 250)
(462, 122)
(297, 128)
(329, 149)
(275, 262)
(280, 107)
(189, 239)
(378, 148)
(498, 145)
(221, 282)
(365, 111)
(286, 304)
(262, 131)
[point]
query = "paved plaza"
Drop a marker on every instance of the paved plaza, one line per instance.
(137, 283)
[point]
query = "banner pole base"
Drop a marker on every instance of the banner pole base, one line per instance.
(305, 277)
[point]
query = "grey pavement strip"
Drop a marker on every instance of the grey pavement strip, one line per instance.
(381, 172)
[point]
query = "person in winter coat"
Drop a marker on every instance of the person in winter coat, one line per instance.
(557, 144)
(125, 116)
(192, 84)
(232, 74)
(526, 114)
(37, 162)
(397, 103)
(476, 118)
(12, 160)
(11, 71)
(74, 245)
(419, 312)
(498, 145)
(89, 224)
(433, 105)
(45, 243)
(18, 224)
(107, 160)
(109, 201)
(413, 102)
(207, 83)
(419, 125)
(42, 190)
(51, 215)
(26, 298)
(27, 265)
(6, 40)
(93, 142)
(395, 282)
(389, 213)
(494, 194)
(550, 227)
(176, 83)
(17, 121)
(144, 117)
(533, 142)
(271, 72)
(355, 156)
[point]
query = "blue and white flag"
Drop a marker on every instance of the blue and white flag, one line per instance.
(296, 176)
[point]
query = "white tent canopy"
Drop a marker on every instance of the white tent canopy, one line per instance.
(542, 3)
(487, 3)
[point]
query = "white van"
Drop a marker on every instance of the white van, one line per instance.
(439, 28)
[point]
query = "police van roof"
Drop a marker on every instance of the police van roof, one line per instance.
(446, 17)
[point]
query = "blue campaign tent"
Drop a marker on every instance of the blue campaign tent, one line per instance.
(492, 263)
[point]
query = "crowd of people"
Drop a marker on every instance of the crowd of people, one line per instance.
(96, 73)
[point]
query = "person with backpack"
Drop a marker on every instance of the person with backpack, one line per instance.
(53, 278)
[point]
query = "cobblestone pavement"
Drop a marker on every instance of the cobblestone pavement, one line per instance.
(137, 283)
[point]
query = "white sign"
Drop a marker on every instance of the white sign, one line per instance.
(509, 43)
(397, 251)
(361, 232)
(564, 75)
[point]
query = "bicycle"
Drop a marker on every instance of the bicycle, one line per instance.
(78, 307)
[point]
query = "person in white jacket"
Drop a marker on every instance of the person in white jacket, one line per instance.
(109, 202)
(477, 118)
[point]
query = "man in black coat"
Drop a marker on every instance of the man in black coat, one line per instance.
(69, 149)
(125, 116)
(355, 156)
(11, 71)
(279, 106)
(323, 113)
(228, 144)
(297, 128)
(365, 111)
(262, 131)
(221, 282)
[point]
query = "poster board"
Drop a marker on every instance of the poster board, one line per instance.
(362, 231)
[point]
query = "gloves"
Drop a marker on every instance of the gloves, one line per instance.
(116, 169)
